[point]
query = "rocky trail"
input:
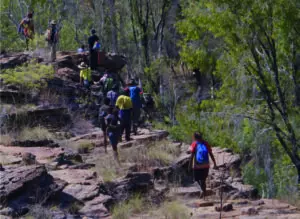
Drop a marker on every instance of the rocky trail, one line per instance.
(65, 178)
(70, 176)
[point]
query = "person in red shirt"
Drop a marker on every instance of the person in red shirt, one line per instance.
(200, 171)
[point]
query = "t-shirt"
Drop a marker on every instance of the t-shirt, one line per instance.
(135, 96)
(113, 96)
(86, 74)
(193, 148)
(112, 123)
(124, 102)
(92, 39)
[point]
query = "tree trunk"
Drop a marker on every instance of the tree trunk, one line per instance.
(114, 35)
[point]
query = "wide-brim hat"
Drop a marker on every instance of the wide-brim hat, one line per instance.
(82, 65)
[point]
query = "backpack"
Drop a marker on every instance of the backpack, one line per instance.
(108, 84)
(135, 94)
(201, 154)
(96, 46)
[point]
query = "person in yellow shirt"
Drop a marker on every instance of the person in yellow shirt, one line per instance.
(85, 75)
(124, 104)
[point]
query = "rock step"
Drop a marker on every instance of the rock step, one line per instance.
(189, 192)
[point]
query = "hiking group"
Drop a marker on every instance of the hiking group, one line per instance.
(26, 28)
(120, 114)
(121, 108)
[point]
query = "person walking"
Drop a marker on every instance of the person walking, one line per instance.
(125, 106)
(199, 160)
(113, 134)
(26, 28)
(85, 75)
(135, 92)
(103, 112)
(113, 95)
(92, 41)
(52, 38)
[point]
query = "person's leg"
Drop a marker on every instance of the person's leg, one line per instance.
(127, 130)
(105, 140)
(53, 57)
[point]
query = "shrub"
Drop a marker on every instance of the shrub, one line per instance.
(84, 146)
(28, 77)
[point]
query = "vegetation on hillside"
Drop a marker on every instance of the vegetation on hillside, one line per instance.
(248, 51)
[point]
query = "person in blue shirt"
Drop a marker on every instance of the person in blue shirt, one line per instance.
(135, 93)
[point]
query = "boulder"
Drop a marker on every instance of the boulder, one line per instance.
(134, 182)
(26, 185)
(35, 143)
(68, 74)
(249, 211)
(28, 158)
(82, 192)
(244, 191)
(76, 176)
(12, 96)
(226, 207)
(13, 60)
(55, 117)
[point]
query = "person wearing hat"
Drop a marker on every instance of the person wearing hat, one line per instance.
(85, 75)
(52, 38)
(93, 53)
(135, 93)
(26, 27)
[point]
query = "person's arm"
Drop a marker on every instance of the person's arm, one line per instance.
(192, 152)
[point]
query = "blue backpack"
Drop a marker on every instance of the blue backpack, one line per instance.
(201, 154)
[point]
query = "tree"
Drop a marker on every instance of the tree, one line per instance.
(259, 44)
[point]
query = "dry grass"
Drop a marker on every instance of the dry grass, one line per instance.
(6, 139)
(173, 210)
(155, 154)
(135, 205)
(108, 168)
(34, 134)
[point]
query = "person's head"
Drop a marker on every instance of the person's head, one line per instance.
(197, 136)
(115, 87)
(115, 112)
(30, 15)
(132, 82)
(106, 101)
(126, 92)
(93, 31)
(82, 46)
(110, 110)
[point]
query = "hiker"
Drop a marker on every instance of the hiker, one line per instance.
(124, 104)
(26, 27)
(85, 75)
(92, 41)
(108, 83)
(52, 39)
(135, 92)
(112, 131)
(199, 161)
(113, 95)
(103, 112)
(81, 49)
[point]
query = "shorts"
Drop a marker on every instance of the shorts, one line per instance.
(86, 83)
(200, 174)
(113, 139)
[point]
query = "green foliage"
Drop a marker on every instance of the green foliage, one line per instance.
(250, 46)
(28, 77)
